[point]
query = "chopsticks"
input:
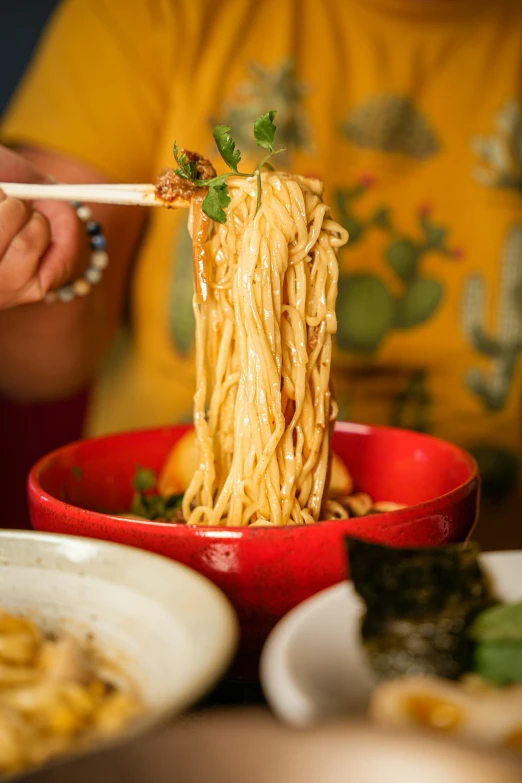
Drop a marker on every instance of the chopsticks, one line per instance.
(132, 195)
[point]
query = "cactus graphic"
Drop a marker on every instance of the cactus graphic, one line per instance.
(500, 153)
(367, 309)
(279, 89)
(391, 123)
(504, 348)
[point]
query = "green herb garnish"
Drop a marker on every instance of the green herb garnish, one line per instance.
(147, 502)
(497, 633)
(187, 168)
(144, 479)
(264, 131)
(218, 196)
(227, 146)
(500, 663)
(214, 202)
(501, 623)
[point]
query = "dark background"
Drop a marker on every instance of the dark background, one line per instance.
(21, 22)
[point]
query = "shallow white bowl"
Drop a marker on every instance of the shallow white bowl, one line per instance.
(313, 667)
(161, 625)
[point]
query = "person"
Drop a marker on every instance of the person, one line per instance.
(409, 110)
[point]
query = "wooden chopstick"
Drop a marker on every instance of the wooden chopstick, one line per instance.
(137, 195)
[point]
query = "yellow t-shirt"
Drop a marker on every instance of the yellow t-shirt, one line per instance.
(411, 112)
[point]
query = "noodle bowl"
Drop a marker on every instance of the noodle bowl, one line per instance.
(263, 407)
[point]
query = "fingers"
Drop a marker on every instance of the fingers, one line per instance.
(16, 168)
(24, 238)
(27, 246)
(14, 214)
(38, 243)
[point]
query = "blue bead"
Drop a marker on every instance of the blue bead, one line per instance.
(98, 242)
(76, 204)
(92, 227)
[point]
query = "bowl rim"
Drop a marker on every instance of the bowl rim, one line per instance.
(36, 493)
(199, 684)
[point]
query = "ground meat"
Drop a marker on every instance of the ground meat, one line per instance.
(170, 186)
(204, 168)
(313, 338)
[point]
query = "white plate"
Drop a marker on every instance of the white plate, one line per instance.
(313, 667)
(164, 627)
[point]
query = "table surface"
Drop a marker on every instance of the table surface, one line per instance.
(250, 746)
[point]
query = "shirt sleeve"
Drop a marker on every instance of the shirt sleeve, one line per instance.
(97, 86)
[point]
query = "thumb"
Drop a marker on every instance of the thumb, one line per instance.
(15, 168)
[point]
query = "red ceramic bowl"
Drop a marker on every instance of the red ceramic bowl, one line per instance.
(264, 571)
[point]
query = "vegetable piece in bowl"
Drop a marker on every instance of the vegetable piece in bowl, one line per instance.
(159, 498)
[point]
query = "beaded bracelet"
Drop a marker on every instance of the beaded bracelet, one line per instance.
(99, 260)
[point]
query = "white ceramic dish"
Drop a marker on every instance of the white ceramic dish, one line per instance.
(165, 627)
(313, 667)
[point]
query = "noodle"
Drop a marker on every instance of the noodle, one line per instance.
(263, 407)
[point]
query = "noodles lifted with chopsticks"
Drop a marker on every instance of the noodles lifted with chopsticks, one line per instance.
(263, 408)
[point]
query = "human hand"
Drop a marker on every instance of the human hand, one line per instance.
(38, 240)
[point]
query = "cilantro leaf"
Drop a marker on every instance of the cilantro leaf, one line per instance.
(227, 146)
(157, 507)
(144, 479)
(264, 130)
(139, 506)
(216, 199)
(187, 168)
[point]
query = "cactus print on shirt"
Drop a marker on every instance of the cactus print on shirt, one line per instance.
(391, 123)
(499, 168)
(503, 346)
(498, 341)
(367, 308)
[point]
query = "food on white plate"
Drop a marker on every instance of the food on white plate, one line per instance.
(420, 604)
(471, 709)
(447, 651)
(52, 699)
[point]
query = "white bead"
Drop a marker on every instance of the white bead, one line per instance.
(81, 287)
(84, 213)
(93, 275)
(100, 259)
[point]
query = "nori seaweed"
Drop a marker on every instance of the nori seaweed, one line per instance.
(419, 605)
